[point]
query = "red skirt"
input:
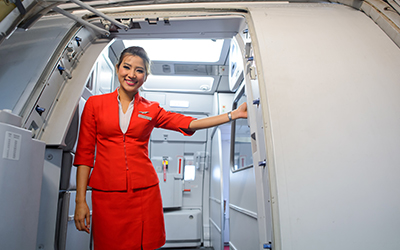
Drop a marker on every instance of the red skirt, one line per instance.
(130, 220)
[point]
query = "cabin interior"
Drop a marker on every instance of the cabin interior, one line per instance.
(268, 183)
(196, 69)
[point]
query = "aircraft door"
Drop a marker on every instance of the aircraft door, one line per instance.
(260, 159)
(248, 153)
(315, 87)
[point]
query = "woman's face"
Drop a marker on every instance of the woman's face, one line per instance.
(131, 74)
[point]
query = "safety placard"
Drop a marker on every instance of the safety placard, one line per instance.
(12, 146)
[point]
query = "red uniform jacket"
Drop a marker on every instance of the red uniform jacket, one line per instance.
(116, 153)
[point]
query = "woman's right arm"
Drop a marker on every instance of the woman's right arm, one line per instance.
(82, 212)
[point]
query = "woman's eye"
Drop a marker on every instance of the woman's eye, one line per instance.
(140, 71)
(126, 67)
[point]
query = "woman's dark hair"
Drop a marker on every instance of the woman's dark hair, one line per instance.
(136, 51)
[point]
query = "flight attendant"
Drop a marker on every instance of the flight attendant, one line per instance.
(116, 127)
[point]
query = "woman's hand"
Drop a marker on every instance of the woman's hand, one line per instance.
(240, 112)
(82, 217)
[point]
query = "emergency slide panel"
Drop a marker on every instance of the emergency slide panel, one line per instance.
(330, 92)
(21, 170)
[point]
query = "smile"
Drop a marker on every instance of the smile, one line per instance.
(130, 82)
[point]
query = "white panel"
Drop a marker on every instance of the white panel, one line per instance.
(49, 198)
(183, 228)
(198, 103)
(243, 227)
(243, 231)
(193, 198)
(172, 151)
(171, 189)
(242, 189)
(21, 169)
(226, 148)
(215, 215)
(161, 135)
(216, 160)
(215, 238)
(77, 240)
(216, 212)
(332, 86)
(225, 102)
(178, 83)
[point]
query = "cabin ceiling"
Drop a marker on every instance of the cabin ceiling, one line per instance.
(183, 36)
(27, 12)
(119, 3)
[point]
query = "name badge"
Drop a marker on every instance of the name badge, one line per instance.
(144, 117)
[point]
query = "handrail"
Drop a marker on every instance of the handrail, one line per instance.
(91, 9)
(81, 21)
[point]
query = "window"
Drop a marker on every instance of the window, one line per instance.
(190, 173)
(105, 75)
(89, 83)
(241, 153)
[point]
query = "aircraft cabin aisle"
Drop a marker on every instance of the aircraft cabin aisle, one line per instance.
(314, 166)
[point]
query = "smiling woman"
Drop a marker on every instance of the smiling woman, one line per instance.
(123, 145)
(132, 71)
(124, 181)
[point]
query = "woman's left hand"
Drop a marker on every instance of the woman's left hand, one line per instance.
(241, 111)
